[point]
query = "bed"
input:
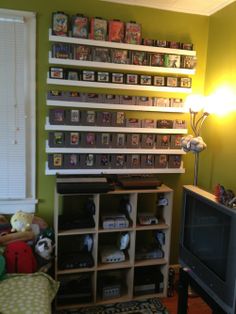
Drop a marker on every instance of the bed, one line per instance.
(27, 293)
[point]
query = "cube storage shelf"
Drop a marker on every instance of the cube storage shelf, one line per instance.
(141, 273)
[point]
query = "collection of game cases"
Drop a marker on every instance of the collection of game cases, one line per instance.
(119, 78)
(97, 28)
(100, 161)
(121, 56)
(115, 99)
(108, 119)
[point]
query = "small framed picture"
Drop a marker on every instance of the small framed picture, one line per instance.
(148, 123)
(161, 102)
(187, 46)
(101, 54)
(56, 139)
(56, 73)
(89, 160)
(127, 100)
(139, 58)
(158, 80)
(147, 161)
(119, 161)
(116, 31)
(90, 139)
(133, 33)
(148, 140)
(72, 75)
(175, 141)
(144, 101)
(161, 43)
(163, 141)
(111, 99)
(165, 124)
(62, 51)
(172, 81)
(185, 82)
(133, 140)
(174, 44)
(172, 61)
(148, 42)
(57, 116)
(157, 59)
(55, 161)
(92, 97)
(103, 161)
(119, 140)
(145, 79)
(179, 124)
(80, 26)
(73, 116)
(82, 52)
(133, 123)
(117, 78)
(88, 75)
(133, 161)
(88, 117)
(120, 56)
(161, 161)
(132, 79)
(103, 77)
(118, 118)
(176, 102)
(105, 139)
(74, 138)
(104, 118)
(60, 24)
(98, 28)
(174, 161)
(71, 161)
(188, 62)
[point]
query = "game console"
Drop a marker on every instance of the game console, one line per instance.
(112, 255)
(75, 260)
(147, 219)
(149, 253)
(113, 221)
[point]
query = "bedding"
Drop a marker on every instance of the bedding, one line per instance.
(27, 293)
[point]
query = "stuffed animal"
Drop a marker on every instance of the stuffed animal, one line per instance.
(21, 221)
(44, 248)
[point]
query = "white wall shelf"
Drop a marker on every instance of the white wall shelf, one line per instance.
(113, 171)
(87, 128)
(120, 67)
(78, 150)
(145, 88)
(77, 104)
(109, 44)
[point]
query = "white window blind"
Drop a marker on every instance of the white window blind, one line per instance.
(17, 111)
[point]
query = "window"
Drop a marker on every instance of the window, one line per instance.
(17, 111)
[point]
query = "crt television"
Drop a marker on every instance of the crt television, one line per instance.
(208, 245)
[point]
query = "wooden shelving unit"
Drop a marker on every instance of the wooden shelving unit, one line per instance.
(125, 271)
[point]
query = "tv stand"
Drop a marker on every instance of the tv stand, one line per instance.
(185, 280)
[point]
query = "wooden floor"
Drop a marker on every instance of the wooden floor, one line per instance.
(195, 305)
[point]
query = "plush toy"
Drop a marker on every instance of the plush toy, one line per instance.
(193, 144)
(21, 221)
(44, 248)
(2, 267)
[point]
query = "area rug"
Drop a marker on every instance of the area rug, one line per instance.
(148, 306)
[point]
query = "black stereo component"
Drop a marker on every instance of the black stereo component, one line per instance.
(82, 184)
(75, 260)
(83, 221)
(77, 289)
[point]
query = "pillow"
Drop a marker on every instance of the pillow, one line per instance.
(27, 293)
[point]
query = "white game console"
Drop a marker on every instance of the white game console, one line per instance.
(147, 219)
(112, 255)
(114, 221)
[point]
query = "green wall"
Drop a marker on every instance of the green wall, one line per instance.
(217, 163)
(156, 24)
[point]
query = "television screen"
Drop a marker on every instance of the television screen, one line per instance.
(207, 234)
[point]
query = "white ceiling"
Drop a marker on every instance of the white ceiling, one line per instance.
(202, 7)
